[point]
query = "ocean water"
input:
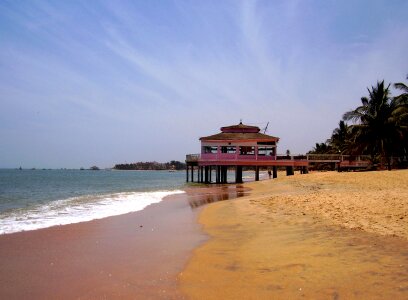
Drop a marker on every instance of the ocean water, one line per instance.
(34, 199)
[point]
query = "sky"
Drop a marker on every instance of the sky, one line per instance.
(87, 83)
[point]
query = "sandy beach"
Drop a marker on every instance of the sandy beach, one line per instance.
(375, 202)
(316, 236)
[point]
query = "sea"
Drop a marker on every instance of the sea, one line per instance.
(34, 199)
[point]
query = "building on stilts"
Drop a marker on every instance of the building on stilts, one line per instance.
(234, 148)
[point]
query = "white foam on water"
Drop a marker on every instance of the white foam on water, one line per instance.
(79, 209)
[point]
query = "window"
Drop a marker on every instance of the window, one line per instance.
(247, 150)
(266, 150)
(210, 149)
(228, 149)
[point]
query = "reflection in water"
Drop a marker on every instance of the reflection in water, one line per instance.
(203, 195)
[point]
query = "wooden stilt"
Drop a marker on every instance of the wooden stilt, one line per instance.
(274, 172)
(238, 174)
(289, 171)
(256, 173)
(186, 173)
(224, 171)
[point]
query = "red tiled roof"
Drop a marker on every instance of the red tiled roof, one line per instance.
(239, 136)
(240, 128)
(240, 132)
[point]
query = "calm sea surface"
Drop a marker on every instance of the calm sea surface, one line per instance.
(33, 199)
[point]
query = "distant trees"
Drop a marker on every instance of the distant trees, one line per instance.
(379, 127)
(340, 141)
(320, 148)
(404, 88)
(172, 165)
(402, 119)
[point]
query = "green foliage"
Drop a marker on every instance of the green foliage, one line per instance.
(321, 148)
(340, 141)
(379, 127)
(172, 165)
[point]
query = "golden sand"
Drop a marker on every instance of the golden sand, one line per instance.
(372, 201)
(283, 241)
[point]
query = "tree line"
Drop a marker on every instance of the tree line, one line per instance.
(172, 165)
(377, 128)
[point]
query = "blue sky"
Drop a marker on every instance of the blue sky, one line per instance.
(105, 82)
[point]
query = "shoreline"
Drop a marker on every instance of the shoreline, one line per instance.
(138, 254)
(287, 240)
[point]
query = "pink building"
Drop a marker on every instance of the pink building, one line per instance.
(234, 147)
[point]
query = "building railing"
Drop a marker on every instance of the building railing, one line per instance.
(291, 157)
(192, 157)
(337, 157)
(297, 157)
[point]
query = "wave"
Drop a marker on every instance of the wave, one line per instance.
(78, 209)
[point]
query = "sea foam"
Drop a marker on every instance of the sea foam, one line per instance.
(78, 209)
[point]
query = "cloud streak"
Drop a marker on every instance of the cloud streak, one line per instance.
(136, 78)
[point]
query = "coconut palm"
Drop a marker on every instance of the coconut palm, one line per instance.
(340, 139)
(376, 128)
(402, 119)
(320, 148)
(404, 88)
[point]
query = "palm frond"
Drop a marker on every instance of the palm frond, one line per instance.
(401, 86)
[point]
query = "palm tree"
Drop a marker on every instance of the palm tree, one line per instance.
(320, 148)
(376, 128)
(340, 139)
(404, 88)
(402, 119)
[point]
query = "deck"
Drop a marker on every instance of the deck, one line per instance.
(280, 160)
(206, 163)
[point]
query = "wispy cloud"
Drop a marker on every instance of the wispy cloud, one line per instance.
(167, 73)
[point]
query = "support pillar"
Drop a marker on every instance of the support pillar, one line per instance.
(256, 173)
(210, 174)
(217, 174)
(224, 170)
(289, 171)
(192, 173)
(304, 170)
(186, 173)
(274, 172)
(238, 174)
(206, 174)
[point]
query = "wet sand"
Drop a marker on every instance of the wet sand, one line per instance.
(317, 236)
(133, 256)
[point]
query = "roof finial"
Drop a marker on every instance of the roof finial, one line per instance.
(240, 121)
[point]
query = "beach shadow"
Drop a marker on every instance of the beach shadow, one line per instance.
(199, 196)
